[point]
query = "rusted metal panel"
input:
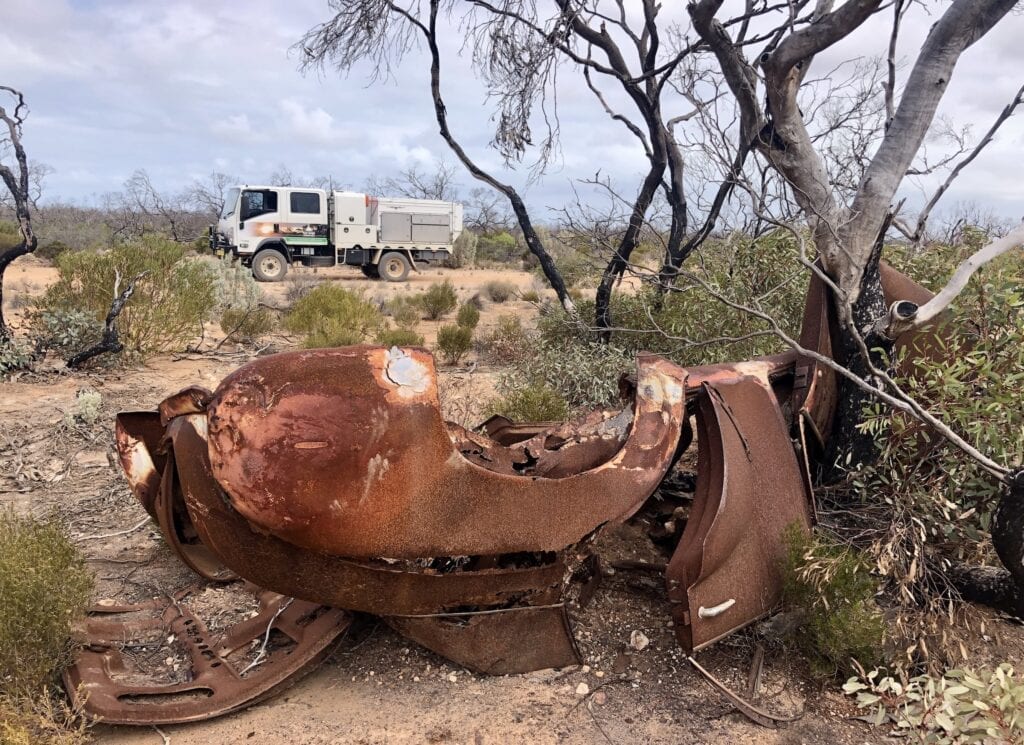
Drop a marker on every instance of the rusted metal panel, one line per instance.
(376, 587)
(344, 451)
(726, 570)
(515, 640)
(137, 436)
(105, 685)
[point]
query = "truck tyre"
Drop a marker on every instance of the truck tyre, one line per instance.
(393, 267)
(370, 270)
(269, 265)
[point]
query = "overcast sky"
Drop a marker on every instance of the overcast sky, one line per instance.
(184, 87)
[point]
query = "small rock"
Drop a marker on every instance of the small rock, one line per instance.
(638, 640)
(415, 678)
(601, 698)
(585, 669)
(452, 678)
(599, 674)
(582, 689)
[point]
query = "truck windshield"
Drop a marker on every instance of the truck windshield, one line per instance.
(230, 201)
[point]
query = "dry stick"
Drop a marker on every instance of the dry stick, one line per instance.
(753, 713)
(110, 341)
(132, 529)
(166, 739)
(266, 638)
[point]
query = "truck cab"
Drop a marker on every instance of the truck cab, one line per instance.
(270, 228)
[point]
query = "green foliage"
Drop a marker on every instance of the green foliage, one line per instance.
(468, 315)
(247, 325)
(44, 588)
(404, 311)
(960, 706)
(690, 325)
(830, 589)
(530, 296)
(234, 285)
(330, 316)
(299, 283)
(439, 300)
(399, 337)
(66, 330)
(170, 303)
(499, 291)
(453, 342)
(938, 502)
(498, 247)
(88, 404)
(14, 356)
(531, 403)
(463, 251)
(50, 251)
(10, 236)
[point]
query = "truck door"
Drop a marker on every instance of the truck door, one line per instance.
(395, 227)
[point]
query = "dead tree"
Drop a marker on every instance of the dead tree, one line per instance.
(109, 342)
(18, 180)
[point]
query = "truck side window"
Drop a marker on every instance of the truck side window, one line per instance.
(255, 203)
(305, 202)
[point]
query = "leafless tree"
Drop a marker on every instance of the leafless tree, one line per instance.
(415, 183)
(17, 178)
(141, 208)
(208, 195)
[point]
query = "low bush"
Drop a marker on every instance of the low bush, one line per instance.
(44, 588)
(298, 284)
(453, 342)
(530, 296)
(463, 251)
(439, 300)
(532, 403)
(959, 706)
(499, 291)
(507, 342)
(399, 337)
(14, 356)
(172, 299)
(247, 325)
(499, 247)
(50, 251)
(43, 718)
(468, 316)
(830, 591)
(330, 316)
(404, 311)
(66, 330)
(88, 405)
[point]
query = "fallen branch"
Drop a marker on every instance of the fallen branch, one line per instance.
(132, 529)
(110, 341)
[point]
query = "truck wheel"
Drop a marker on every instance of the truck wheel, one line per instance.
(269, 265)
(393, 267)
(370, 270)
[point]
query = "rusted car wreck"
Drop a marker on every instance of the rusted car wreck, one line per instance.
(329, 482)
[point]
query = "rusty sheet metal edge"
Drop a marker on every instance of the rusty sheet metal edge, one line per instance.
(344, 451)
(725, 572)
(216, 687)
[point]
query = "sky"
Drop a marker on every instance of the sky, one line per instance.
(185, 87)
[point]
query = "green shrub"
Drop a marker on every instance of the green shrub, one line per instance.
(44, 588)
(298, 284)
(468, 316)
(453, 342)
(959, 706)
(400, 337)
(234, 285)
(66, 331)
(463, 251)
(584, 375)
(439, 300)
(14, 356)
(404, 311)
(500, 247)
(50, 251)
(330, 316)
(532, 403)
(530, 296)
(169, 305)
(830, 590)
(499, 291)
(247, 325)
(88, 405)
(507, 342)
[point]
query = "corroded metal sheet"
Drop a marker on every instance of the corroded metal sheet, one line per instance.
(515, 640)
(726, 570)
(344, 451)
(377, 587)
(220, 672)
(138, 436)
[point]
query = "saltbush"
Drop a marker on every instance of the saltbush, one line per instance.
(172, 299)
(463, 251)
(14, 356)
(453, 342)
(507, 342)
(439, 300)
(330, 316)
(829, 589)
(66, 331)
(468, 315)
(531, 403)
(498, 247)
(399, 337)
(499, 291)
(44, 588)
(404, 311)
(247, 325)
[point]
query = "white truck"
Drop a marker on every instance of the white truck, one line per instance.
(270, 228)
